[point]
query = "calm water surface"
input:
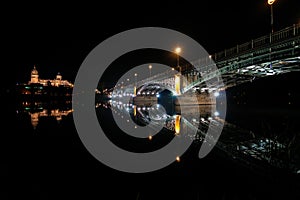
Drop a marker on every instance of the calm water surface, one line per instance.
(257, 155)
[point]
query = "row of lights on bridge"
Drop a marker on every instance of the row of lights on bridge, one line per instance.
(177, 51)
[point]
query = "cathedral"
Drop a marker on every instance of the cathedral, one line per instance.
(58, 81)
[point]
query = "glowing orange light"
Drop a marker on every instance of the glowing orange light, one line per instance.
(134, 91)
(178, 50)
(177, 84)
(177, 158)
(177, 124)
(134, 111)
(270, 2)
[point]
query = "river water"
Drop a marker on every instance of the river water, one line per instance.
(256, 157)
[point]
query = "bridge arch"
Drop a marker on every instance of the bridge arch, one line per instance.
(153, 89)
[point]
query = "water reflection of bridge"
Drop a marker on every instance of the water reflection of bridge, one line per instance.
(244, 146)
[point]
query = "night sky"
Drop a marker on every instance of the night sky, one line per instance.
(57, 38)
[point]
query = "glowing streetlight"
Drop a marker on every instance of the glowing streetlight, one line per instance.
(177, 158)
(270, 2)
(178, 51)
(135, 75)
(150, 67)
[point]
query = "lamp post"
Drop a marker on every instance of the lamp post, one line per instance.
(270, 2)
(178, 51)
(150, 67)
(134, 88)
(135, 75)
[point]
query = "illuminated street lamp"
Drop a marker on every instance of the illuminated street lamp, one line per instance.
(178, 51)
(135, 75)
(150, 67)
(270, 2)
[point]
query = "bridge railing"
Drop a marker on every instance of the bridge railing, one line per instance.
(258, 50)
(278, 36)
(205, 63)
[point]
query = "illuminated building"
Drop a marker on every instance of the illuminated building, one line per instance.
(58, 81)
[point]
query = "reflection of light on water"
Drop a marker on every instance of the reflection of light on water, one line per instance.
(177, 124)
(58, 114)
(134, 110)
(34, 119)
(241, 144)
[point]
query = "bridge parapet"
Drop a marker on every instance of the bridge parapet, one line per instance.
(264, 41)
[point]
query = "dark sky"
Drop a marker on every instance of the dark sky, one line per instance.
(57, 38)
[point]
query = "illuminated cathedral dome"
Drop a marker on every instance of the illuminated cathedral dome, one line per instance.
(34, 76)
(34, 71)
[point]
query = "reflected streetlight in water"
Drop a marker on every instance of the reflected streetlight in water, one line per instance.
(177, 124)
